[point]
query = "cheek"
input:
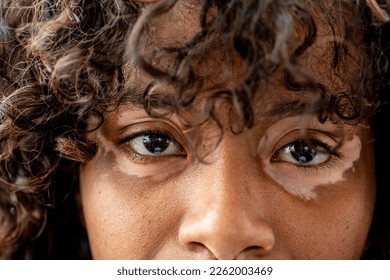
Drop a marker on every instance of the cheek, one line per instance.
(337, 231)
(122, 213)
(335, 225)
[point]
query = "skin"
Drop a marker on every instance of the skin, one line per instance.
(292, 180)
(248, 201)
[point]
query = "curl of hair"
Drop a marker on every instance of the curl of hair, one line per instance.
(62, 61)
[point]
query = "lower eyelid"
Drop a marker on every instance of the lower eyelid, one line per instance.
(133, 156)
(309, 170)
(145, 159)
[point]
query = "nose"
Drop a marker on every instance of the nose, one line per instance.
(225, 217)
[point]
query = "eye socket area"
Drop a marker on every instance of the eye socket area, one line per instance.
(302, 152)
(155, 144)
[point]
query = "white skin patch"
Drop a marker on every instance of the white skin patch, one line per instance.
(305, 187)
(118, 161)
(302, 181)
(119, 158)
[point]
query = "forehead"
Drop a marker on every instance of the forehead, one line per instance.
(311, 39)
(181, 25)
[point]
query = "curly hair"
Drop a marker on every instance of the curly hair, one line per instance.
(63, 61)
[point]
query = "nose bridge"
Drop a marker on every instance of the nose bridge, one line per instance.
(231, 176)
(225, 217)
(225, 178)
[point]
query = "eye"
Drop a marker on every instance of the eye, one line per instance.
(300, 153)
(155, 144)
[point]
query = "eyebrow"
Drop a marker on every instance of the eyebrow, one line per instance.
(293, 108)
(136, 96)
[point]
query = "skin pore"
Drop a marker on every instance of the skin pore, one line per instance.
(265, 193)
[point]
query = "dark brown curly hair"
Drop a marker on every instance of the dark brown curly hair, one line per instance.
(62, 61)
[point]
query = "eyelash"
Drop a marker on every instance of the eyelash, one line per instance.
(328, 165)
(334, 155)
(333, 150)
(137, 157)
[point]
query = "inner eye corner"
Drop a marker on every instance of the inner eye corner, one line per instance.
(273, 158)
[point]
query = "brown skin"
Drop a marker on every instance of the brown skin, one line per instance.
(172, 206)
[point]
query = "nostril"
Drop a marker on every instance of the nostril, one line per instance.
(253, 248)
(201, 250)
(211, 236)
(253, 253)
(195, 247)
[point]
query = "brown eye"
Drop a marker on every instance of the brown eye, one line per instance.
(300, 153)
(155, 144)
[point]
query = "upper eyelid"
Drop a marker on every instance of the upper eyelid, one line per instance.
(334, 156)
(311, 141)
(332, 149)
(126, 142)
(153, 127)
(145, 132)
(315, 139)
(138, 157)
(315, 142)
(310, 135)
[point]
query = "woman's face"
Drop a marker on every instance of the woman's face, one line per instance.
(262, 194)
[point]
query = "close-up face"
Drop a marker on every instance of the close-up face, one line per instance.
(186, 187)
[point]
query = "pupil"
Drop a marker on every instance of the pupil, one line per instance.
(155, 143)
(302, 153)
